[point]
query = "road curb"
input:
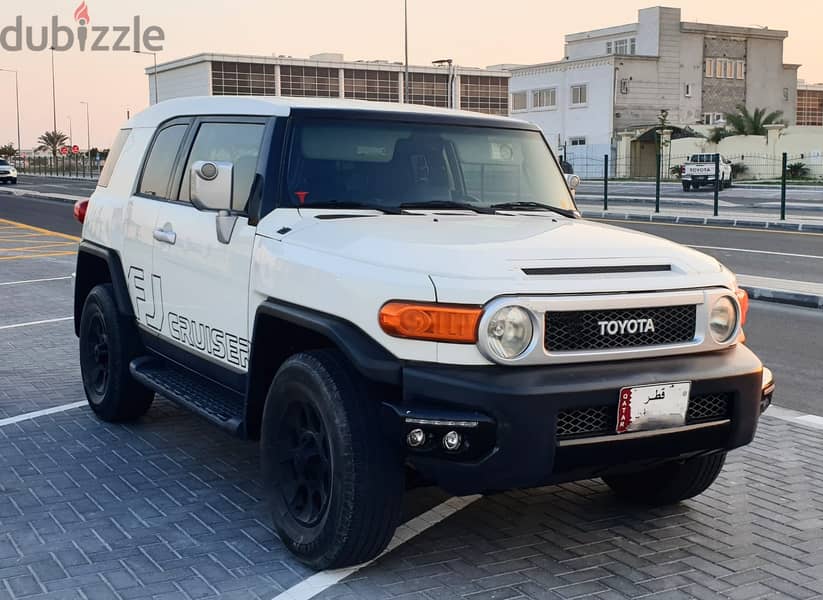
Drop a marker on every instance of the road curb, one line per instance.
(713, 221)
(39, 196)
(784, 297)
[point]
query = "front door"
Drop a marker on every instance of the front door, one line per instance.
(205, 280)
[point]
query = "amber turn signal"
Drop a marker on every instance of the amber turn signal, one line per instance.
(743, 299)
(434, 322)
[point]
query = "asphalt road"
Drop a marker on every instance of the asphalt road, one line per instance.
(55, 185)
(750, 252)
(787, 338)
(741, 195)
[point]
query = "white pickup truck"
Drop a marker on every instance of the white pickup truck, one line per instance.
(700, 170)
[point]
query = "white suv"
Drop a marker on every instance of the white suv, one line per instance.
(374, 290)
(8, 174)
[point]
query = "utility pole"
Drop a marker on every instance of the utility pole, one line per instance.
(406, 43)
(71, 135)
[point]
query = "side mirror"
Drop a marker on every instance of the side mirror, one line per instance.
(211, 185)
(572, 181)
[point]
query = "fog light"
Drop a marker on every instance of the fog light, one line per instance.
(416, 438)
(452, 441)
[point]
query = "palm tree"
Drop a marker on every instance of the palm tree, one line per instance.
(745, 123)
(7, 150)
(52, 141)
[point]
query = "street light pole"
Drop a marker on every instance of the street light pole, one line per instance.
(406, 42)
(71, 135)
(17, 95)
(53, 92)
(88, 131)
(449, 79)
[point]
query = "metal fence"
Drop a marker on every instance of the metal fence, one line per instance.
(75, 166)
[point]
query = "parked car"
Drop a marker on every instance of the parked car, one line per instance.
(374, 288)
(700, 171)
(8, 174)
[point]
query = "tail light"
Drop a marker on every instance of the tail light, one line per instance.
(80, 208)
(682, 169)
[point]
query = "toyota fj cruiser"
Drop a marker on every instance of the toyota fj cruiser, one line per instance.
(374, 290)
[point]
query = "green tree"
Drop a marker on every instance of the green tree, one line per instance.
(745, 123)
(52, 141)
(717, 134)
(8, 150)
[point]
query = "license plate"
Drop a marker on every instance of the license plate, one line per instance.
(653, 407)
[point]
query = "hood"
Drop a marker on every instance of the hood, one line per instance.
(499, 247)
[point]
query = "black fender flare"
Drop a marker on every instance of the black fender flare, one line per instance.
(84, 280)
(371, 359)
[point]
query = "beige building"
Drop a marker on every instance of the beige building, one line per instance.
(620, 78)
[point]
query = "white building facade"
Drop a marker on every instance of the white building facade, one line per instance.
(621, 79)
(329, 76)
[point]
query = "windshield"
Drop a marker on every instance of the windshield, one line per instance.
(4, 162)
(390, 166)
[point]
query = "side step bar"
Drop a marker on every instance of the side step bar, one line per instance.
(220, 405)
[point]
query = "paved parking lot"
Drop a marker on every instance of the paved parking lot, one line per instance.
(170, 507)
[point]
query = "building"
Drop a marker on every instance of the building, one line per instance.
(619, 79)
(810, 104)
(327, 76)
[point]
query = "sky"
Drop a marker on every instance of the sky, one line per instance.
(473, 33)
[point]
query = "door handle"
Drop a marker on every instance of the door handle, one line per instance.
(165, 235)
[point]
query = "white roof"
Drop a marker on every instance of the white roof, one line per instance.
(270, 106)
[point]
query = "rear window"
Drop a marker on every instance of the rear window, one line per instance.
(114, 155)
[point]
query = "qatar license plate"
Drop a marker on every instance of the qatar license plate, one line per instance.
(653, 407)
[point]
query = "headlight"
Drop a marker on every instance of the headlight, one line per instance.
(723, 319)
(510, 332)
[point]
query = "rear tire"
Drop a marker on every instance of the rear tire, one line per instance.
(335, 483)
(668, 483)
(108, 343)
(14, 181)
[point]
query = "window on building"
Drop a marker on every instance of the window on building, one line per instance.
(624, 47)
(243, 79)
(624, 86)
(579, 94)
(709, 70)
(688, 91)
(430, 89)
(309, 81)
(157, 170)
(633, 46)
(621, 47)
(519, 101)
(577, 141)
(546, 98)
(609, 47)
(484, 94)
(371, 85)
(740, 69)
(237, 143)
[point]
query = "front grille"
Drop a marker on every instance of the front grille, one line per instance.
(709, 407)
(602, 420)
(589, 330)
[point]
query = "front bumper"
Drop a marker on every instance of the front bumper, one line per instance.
(517, 410)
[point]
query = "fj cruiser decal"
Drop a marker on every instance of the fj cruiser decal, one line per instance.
(217, 343)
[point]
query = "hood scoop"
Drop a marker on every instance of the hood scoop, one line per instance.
(597, 270)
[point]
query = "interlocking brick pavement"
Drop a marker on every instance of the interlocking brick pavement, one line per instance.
(757, 533)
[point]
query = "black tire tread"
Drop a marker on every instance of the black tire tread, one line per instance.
(374, 510)
(669, 483)
(126, 399)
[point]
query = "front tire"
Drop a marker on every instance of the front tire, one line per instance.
(668, 483)
(335, 484)
(108, 343)
(686, 186)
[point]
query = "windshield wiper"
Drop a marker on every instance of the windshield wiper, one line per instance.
(353, 206)
(524, 205)
(438, 204)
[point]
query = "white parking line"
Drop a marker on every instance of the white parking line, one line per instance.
(17, 325)
(41, 413)
(34, 280)
(320, 582)
(750, 251)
